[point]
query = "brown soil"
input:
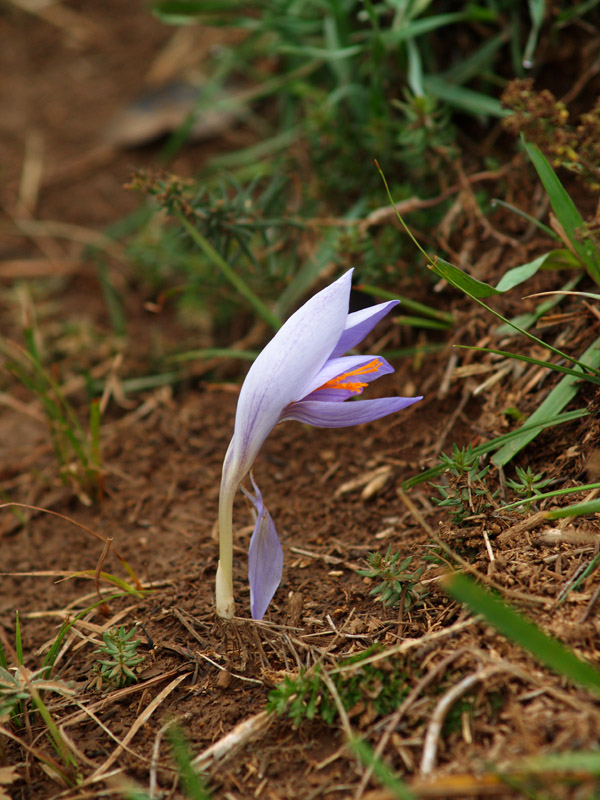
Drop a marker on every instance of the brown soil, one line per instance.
(64, 79)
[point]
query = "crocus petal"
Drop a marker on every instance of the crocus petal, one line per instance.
(265, 558)
(340, 415)
(358, 324)
(334, 367)
(286, 367)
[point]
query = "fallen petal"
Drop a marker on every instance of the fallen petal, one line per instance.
(265, 558)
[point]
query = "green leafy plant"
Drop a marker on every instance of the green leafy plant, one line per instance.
(529, 483)
(374, 689)
(19, 687)
(397, 582)
(120, 657)
(466, 492)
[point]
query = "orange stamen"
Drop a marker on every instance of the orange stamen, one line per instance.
(352, 386)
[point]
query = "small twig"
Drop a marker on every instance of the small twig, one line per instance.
(412, 644)
(326, 678)
(590, 606)
(436, 722)
(97, 574)
(523, 525)
(73, 522)
(152, 786)
(488, 546)
(233, 674)
(232, 741)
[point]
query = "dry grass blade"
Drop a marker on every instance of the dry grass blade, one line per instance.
(139, 722)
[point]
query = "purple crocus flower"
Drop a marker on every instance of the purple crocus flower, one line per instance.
(301, 374)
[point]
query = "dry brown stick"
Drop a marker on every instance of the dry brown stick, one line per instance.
(522, 526)
(233, 674)
(466, 394)
(107, 731)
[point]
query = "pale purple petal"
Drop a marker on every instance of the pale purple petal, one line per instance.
(358, 324)
(286, 367)
(265, 557)
(341, 415)
(340, 366)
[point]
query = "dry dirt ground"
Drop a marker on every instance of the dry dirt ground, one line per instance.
(335, 496)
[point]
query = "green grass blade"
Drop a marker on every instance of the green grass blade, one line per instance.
(585, 376)
(566, 212)
(559, 397)
(500, 441)
(94, 423)
(421, 322)
(18, 640)
(192, 783)
(382, 772)
(60, 744)
(555, 259)
(476, 290)
(537, 11)
(214, 352)
(528, 319)
(515, 627)
(411, 305)
(415, 350)
(581, 577)
(576, 510)
(66, 626)
(253, 157)
(545, 495)
(3, 659)
(560, 763)
(466, 100)
(322, 53)
(418, 27)
(244, 290)
(471, 66)
(495, 201)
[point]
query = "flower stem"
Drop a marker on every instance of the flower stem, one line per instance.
(225, 601)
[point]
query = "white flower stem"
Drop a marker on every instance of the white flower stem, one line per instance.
(225, 601)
